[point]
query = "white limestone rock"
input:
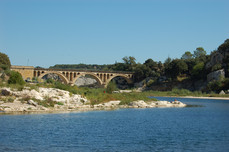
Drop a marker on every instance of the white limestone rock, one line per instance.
(139, 104)
(222, 92)
(151, 104)
(31, 102)
(112, 103)
(163, 104)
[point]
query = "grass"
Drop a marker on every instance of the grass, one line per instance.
(8, 99)
(48, 102)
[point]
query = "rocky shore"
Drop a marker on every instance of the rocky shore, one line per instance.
(54, 100)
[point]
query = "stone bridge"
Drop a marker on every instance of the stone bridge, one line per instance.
(70, 76)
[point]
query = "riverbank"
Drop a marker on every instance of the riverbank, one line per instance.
(192, 97)
(218, 98)
(56, 100)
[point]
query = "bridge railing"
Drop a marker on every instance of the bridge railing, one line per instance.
(76, 70)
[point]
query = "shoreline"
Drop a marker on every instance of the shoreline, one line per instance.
(55, 111)
(192, 97)
(109, 106)
(218, 98)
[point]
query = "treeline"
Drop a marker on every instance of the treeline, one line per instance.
(82, 67)
(191, 65)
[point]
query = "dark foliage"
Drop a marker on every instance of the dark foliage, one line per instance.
(4, 61)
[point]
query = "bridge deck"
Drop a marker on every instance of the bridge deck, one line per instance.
(75, 70)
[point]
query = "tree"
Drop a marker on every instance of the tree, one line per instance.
(225, 46)
(140, 72)
(167, 62)
(176, 68)
(129, 63)
(4, 61)
(187, 55)
(198, 71)
(151, 64)
(129, 60)
(16, 78)
(199, 52)
(119, 67)
(111, 87)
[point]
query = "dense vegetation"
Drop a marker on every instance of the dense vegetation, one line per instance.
(191, 67)
(4, 61)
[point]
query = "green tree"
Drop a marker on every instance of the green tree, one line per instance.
(16, 78)
(111, 87)
(199, 52)
(129, 60)
(226, 65)
(225, 46)
(129, 63)
(198, 71)
(167, 62)
(140, 72)
(176, 68)
(4, 61)
(119, 67)
(151, 64)
(187, 55)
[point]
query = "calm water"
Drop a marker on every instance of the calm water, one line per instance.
(203, 128)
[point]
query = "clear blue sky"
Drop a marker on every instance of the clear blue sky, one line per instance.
(49, 32)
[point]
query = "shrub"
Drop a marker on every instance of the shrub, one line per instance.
(60, 103)
(8, 99)
(150, 82)
(111, 87)
(216, 67)
(16, 78)
(197, 71)
(50, 80)
(214, 86)
(4, 61)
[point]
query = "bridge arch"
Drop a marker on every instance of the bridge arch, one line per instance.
(65, 80)
(93, 75)
(129, 81)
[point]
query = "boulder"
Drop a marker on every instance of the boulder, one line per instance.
(5, 92)
(222, 92)
(112, 103)
(151, 104)
(163, 104)
(125, 91)
(178, 104)
(216, 75)
(139, 104)
(31, 102)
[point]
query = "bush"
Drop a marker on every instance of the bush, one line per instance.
(214, 86)
(50, 80)
(216, 67)
(16, 78)
(4, 61)
(150, 82)
(111, 87)
(198, 71)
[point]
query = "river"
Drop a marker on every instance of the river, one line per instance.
(201, 128)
